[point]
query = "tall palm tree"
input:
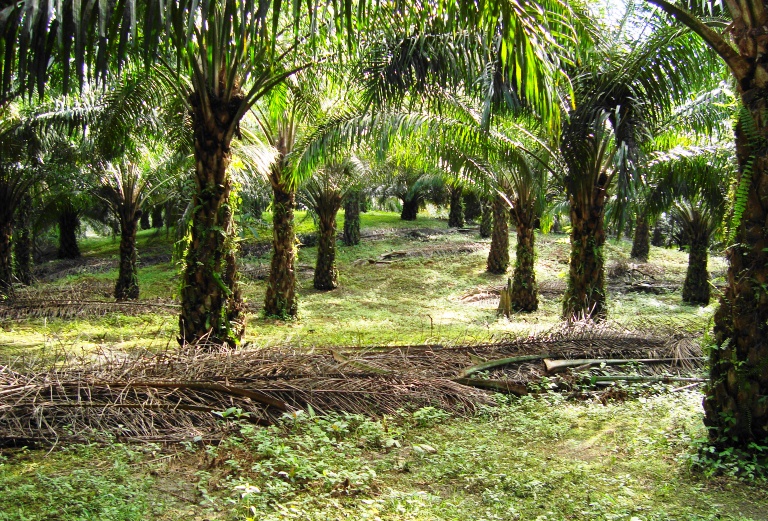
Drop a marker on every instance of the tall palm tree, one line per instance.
(623, 84)
(226, 55)
(20, 167)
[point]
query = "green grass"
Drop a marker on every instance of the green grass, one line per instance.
(432, 296)
(529, 458)
(533, 458)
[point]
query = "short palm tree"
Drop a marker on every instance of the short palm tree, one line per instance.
(323, 193)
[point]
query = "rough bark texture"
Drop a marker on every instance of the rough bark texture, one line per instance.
(696, 285)
(486, 220)
(498, 257)
(144, 221)
(211, 303)
(641, 246)
(456, 212)
(472, 206)
(127, 286)
(657, 239)
(6, 270)
(22, 243)
(352, 218)
(736, 402)
(326, 274)
(585, 294)
(281, 299)
(157, 216)
(69, 222)
(525, 296)
(410, 209)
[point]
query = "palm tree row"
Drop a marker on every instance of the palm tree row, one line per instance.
(505, 57)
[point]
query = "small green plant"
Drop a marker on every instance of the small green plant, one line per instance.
(427, 416)
(750, 466)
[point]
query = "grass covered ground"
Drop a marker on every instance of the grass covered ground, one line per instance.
(536, 457)
(438, 293)
(530, 458)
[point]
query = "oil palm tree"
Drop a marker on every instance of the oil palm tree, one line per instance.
(691, 182)
(20, 167)
(126, 185)
(622, 85)
(225, 56)
(323, 194)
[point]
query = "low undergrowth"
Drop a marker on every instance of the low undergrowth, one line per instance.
(536, 457)
(432, 294)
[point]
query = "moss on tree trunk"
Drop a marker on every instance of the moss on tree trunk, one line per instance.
(498, 257)
(696, 285)
(326, 274)
(352, 218)
(641, 242)
(585, 293)
(127, 286)
(69, 222)
(736, 402)
(525, 296)
(211, 303)
(456, 212)
(281, 299)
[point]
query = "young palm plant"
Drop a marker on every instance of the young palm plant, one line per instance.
(323, 194)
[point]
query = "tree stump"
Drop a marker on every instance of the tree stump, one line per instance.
(505, 301)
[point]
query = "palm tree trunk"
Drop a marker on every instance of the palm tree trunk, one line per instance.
(69, 222)
(657, 238)
(211, 302)
(585, 295)
(157, 216)
(127, 287)
(22, 243)
(326, 274)
(641, 242)
(524, 293)
(281, 299)
(498, 257)
(410, 209)
(486, 220)
(696, 285)
(736, 403)
(456, 212)
(352, 218)
(145, 224)
(6, 270)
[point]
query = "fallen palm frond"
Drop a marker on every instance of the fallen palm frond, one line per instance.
(20, 309)
(178, 395)
(557, 366)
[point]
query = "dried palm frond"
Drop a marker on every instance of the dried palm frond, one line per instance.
(175, 395)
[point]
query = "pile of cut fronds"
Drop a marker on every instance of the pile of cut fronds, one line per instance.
(174, 396)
